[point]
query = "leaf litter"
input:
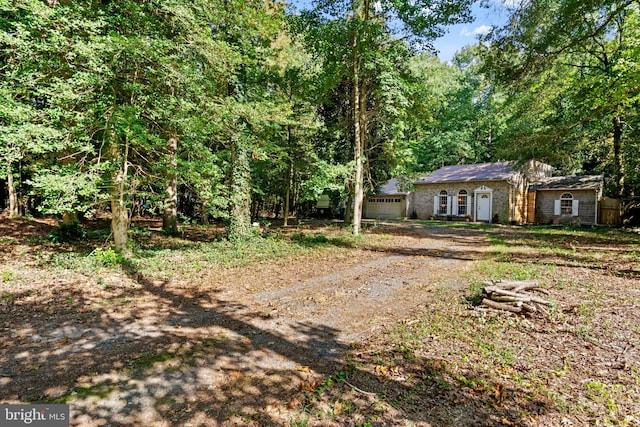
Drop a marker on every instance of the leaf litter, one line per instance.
(379, 333)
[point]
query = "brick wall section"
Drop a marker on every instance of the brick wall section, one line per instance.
(424, 193)
(586, 207)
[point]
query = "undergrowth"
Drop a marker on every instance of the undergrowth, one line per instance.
(157, 254)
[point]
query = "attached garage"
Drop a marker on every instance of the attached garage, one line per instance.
(388, 203)
(385, 207)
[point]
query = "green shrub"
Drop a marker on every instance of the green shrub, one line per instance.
(66, 233)
(107, 257)
(309, 239)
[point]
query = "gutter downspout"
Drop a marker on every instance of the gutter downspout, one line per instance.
(597, 195)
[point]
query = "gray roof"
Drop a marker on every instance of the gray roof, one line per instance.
(390, 188)
(583, 182)
(476, 172)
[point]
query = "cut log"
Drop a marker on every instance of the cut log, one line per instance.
(512, 295)
(520, 296)
(513, 284)
(526, 287)
(500, 306)
(507, 298)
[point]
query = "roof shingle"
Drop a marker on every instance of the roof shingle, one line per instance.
(475, 172)
(583, 182)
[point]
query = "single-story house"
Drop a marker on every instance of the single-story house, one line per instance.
(565, 200)
(505, 192)
(388, 203)
(490, 192)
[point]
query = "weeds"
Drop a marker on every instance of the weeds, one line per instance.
(8, 275)
(66, 233)
(452, 354)
(107, 257)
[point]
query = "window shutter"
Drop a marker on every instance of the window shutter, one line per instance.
(436, 202)
(468, 205)
(574, 207)
(454, 205)
(556, 207)
(449, 200)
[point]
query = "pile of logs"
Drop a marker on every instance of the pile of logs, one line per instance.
(514, 296)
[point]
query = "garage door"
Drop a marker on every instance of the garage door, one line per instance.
(385, 207)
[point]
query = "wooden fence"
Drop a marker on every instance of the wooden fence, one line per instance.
(610, 213)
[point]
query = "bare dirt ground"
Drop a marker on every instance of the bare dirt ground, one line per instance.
(299, 340)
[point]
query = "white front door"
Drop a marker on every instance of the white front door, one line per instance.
(483, 207)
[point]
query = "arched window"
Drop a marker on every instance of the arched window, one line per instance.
(566, 203)
(443, 200)
(463, 203)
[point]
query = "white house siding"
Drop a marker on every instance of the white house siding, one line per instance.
(424, 194)
(586, 207)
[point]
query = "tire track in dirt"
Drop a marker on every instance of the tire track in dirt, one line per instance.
(360, 300)
(235, 329)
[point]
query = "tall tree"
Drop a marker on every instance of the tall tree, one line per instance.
(133, 93)
(456, 116)
(297, 80)
(573, 61)
(368, 26)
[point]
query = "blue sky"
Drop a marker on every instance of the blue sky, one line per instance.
(461, 35)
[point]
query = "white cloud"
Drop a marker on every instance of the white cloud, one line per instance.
(481, 30)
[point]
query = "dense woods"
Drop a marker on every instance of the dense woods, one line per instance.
(228, 110)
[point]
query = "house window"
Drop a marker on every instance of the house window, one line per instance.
(462, 202)
(566, 204)
(443, 200)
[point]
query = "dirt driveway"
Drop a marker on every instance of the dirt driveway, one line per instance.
(217, 346)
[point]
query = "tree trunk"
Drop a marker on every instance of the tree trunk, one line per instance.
(119, 212)
(361, 9)
(69, 217)
(617, 166)
(358, 145)
(358, 185)
(119, 224)
(287, 194)
(348, 212)
(239, 226)
(170, 214)
(13, 196)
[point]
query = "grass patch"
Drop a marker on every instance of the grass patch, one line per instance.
(517, 368)
(494, 357)
(502, 268)
(500, 368)
(101, 390)
(459, 224)
(156, 255)
(8, 275)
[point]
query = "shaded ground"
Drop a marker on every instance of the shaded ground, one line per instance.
(367, 333)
